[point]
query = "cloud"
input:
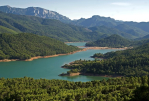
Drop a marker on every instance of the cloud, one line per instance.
(121, 4)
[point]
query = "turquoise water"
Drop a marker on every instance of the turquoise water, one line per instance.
(77, 43)
(48, 68)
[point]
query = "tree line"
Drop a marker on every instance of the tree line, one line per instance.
(114, 89)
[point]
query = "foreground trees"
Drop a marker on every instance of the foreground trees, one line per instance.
(117, 89)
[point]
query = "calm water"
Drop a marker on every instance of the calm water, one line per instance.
(48, 68)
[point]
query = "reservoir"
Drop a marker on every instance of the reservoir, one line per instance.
(49, 68)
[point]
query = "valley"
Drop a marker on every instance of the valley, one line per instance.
(49, 68)
(47, 56)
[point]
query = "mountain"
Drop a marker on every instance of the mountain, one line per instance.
(96, 20)
(35, 11)
(143, 38)
(132, 30)
(112, 41)
(141, 25)
(107, 31)
(24, 46)
(46, 27)
(129, 30)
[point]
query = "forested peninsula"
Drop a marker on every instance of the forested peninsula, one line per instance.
(25, 45)
(114, 41)
(131, 62)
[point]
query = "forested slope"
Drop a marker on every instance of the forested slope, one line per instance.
(126, 32)
(118, 89)
(7, 30)
(114, 40)
(131, 62)
(130, 30)
(45, 27)
(24, 46)
(61, 31)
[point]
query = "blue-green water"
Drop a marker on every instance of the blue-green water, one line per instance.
(77, 43)
(48, 68)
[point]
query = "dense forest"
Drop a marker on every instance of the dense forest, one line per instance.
(46, 27)
(131, 62)
(114, 40)
(116, 89)
(121, 29)
(24, 46)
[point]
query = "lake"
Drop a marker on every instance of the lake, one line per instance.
(49, 68)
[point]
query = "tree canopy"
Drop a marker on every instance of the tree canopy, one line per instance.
(114, 40)
(131, 62)
(24, 46)
(116, 89)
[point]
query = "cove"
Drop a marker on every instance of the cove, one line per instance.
(49, 68)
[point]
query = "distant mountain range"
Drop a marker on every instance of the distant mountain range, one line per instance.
(93, 28)
(11, 23)
(132, 30)
(35, 11)
(96, 20)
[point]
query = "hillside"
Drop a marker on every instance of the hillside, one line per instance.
(133, 29)
(130, 30)
(24, 46)
(35, 11)
(109, 31)
(141, 25)
(56, 29)
(6, 30)
(131, 62)
(96, 20)
(114, 41)
(45, 27)
(143, 38)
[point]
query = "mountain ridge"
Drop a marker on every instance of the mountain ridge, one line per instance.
(35, 11)
(130, 30)
(44, 27)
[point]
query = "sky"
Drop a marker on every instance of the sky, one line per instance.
(125, 10)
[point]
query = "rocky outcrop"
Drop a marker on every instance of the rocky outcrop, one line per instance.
(35, 11)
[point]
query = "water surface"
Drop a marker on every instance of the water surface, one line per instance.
(49, 68)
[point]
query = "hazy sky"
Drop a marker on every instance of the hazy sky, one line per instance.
(126, 10)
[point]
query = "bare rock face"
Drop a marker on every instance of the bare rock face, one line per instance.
(35, 11)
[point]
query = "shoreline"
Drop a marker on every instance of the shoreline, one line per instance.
(104, 48)
(89, 74)
(84, 49)
(76, 42)
(37, 57)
